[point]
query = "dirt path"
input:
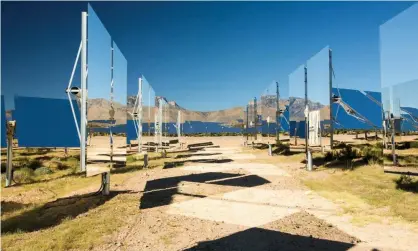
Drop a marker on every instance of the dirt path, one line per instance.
(242, 203)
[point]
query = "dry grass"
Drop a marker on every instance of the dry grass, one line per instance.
(58, 212)
(366, 191)
(82, 232)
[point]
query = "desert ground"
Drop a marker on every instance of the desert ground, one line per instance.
(227, 197)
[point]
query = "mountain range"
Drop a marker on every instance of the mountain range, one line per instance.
(98, 109)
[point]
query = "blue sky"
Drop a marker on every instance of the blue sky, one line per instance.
(204, 55)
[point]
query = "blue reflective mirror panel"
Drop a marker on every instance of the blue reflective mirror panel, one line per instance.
(45, 122)
(366, 104)
(297, 128)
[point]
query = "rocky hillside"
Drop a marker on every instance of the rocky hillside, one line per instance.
(227, 116)
(98, 109)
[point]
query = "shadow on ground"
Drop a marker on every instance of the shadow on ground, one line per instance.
(242, 181)
(173, 164)
(407, 183)
(114, 155)
(346, 164)
(115, 164)
(10, 206)
(254, 239)
(160, 192)
(53, 213)
(126, 169)
(284, 149)
(182, 156)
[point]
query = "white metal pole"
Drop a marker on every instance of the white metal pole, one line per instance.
(112, 117)
(179, 125)
(156, 133)
(106, 183)
(160, 120)
(139, 115)
(320, 137)
(149, 111)
(330, 69)
(83, 117)
(268, 131)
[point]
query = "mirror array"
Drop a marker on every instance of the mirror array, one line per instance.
(161, 121)
(308, 110)
(309, 102)
(253, 121)
(172, 122)
(399, 88)
(106, 115)
(318, 93)
(141, 111)
(274, 111)
(268, 107)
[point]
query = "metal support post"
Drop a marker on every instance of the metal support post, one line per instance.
(83, 117)
(309, 161)
(331, 101)
(395, 161)
(306, 110)
(106, 183)
(255, 118)
(247, 124)
(11, 125)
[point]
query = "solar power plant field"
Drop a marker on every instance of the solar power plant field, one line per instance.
(274, 113)
(259, 126)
